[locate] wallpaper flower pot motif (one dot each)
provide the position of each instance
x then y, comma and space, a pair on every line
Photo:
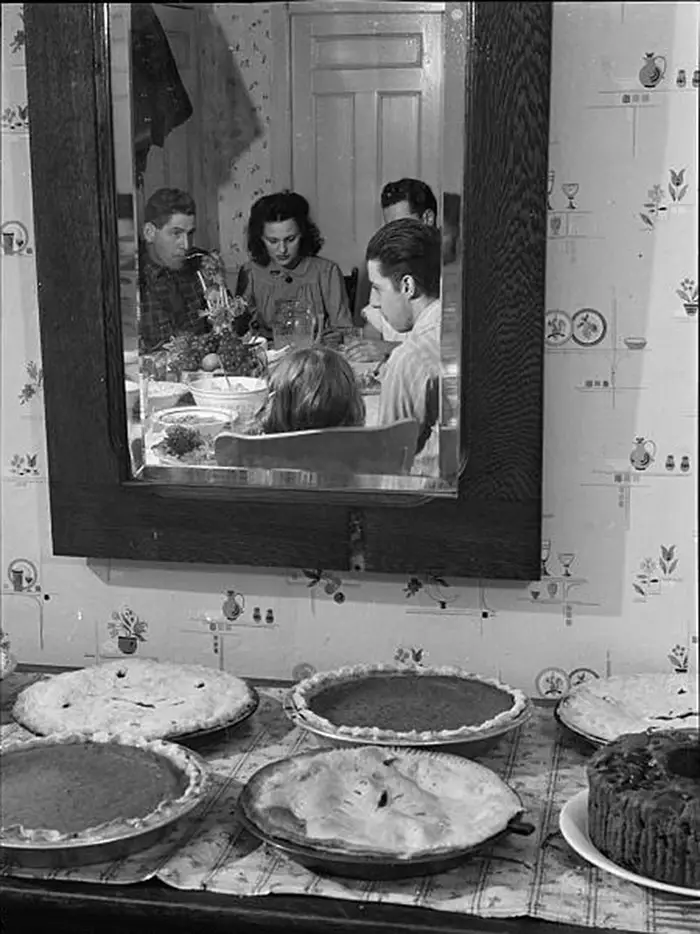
656, 205
688, 294
15, 118
409, 655
127, 630
679, 657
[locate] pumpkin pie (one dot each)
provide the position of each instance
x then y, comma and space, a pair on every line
383, 703
76, 791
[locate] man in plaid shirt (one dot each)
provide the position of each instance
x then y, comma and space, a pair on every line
171, 288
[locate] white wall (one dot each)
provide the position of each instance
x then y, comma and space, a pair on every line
623, 251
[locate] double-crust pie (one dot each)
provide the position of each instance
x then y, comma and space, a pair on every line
76, 791
149, 699
383, 703
609, 707
398, 803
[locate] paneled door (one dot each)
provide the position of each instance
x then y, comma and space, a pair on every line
366, 108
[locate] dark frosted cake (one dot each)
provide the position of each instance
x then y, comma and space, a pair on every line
644, 804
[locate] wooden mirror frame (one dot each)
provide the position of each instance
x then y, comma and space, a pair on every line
492, 530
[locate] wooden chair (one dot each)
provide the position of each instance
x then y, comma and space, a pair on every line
365, 450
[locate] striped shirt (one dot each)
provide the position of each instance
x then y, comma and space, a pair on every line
411, 377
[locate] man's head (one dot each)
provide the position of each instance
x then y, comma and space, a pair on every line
403, 264
409, 197
168, 228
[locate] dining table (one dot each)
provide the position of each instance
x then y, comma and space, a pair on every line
210, 874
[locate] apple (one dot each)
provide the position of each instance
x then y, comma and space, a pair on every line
211, 362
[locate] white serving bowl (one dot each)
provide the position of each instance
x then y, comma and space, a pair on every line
132, 393
163, 395
209, 422
244, 395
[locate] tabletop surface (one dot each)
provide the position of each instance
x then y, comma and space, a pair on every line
538, 877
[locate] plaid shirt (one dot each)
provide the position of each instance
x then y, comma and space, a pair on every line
170, 303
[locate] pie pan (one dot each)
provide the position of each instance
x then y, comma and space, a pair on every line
362, 864
219, 731
110, 842
609, 697
577, 731
475, 745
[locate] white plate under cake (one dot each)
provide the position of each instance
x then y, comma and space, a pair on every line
389, 704
606, 708
141, 697
398, 803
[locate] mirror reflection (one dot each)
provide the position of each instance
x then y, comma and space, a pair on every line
289, 201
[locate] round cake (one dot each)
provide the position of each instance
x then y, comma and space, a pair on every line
644, 804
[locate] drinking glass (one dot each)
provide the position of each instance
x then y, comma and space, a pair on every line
570, 189
546, 550
295, 324
566, 559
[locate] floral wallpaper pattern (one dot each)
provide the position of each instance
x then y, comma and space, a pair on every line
617, 592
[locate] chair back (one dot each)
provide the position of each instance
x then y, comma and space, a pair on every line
351, 286
387, 449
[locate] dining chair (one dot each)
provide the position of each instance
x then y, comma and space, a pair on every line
351, 286
363, 450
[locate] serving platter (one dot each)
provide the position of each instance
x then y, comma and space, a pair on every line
364, 864
121, 843
573, 823
479, 743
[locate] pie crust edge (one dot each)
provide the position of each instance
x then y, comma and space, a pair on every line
189, 764
336, 847
32, 712
309, 687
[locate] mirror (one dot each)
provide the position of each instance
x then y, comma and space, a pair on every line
491, 530
258, 149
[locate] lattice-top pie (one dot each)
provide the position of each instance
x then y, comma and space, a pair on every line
78, 791
366, 800
138, 696
383, 703
606, 708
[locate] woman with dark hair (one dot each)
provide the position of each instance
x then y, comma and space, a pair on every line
283, 245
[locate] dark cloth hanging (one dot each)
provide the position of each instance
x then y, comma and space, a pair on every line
161, 102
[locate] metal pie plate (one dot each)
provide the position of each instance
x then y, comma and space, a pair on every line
367, 865
213, 732
473, 745
591, 738
116, 845
195, 735
599, 741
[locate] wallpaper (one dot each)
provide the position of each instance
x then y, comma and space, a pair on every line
618, 588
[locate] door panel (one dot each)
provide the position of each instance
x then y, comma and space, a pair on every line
366, 109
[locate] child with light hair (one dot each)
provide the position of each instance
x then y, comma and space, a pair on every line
312, 388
